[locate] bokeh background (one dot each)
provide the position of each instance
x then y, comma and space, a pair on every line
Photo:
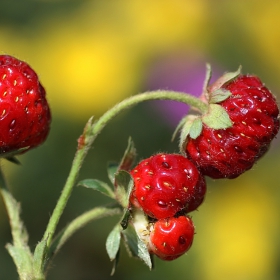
91, 54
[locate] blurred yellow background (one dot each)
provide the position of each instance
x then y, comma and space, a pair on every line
89, 55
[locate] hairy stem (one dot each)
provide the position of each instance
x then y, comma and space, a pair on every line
154, 95
19, 250
79, 222
84, 144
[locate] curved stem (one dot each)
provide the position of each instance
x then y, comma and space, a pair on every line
79, 222
154, 95
90, 133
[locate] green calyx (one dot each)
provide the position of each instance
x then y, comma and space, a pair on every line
216, 117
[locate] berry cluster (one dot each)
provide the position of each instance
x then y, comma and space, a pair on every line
242, 120
167, 187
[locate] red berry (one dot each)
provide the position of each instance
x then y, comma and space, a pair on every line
24, 112
171, 238
165, 184
227, 153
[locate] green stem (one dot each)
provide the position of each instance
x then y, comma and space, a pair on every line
154, 95
79, 222
84, 144
19, 250
91, 132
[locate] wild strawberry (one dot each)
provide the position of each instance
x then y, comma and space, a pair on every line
171, 238
165, 184
24, 112
253, 111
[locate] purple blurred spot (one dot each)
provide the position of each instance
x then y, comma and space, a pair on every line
184, 73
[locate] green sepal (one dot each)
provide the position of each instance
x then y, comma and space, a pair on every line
217, 117
123, 187
207, 81
13, 160
125, 218
136, 247
196, 128
179, 127
219, 95
126, 162
223, 80
113, 242
192, 128
129, 156
97, 185
112, 168
9, 155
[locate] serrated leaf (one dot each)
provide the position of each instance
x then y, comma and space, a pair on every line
196, 128
113, 242
128, 157
135, 246
97, 186
217, 117
112, 169
219, 95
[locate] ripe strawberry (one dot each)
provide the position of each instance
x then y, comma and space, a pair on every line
253, 111
24, 112
165, 184
171, 238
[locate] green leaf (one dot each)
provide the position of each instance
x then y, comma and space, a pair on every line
98, 186
219, 95
135, 246
39, 259
128, 157
125, 218
115, 263
217, 117
113, 242
124, 186
112, 169
22, 259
